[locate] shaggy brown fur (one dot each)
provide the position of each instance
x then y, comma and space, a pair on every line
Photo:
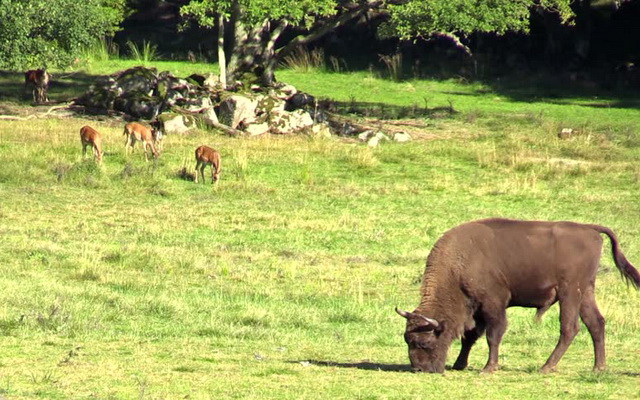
479, 269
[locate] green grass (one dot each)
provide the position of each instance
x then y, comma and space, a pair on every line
126, 281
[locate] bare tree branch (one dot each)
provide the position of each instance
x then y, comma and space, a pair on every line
354, 11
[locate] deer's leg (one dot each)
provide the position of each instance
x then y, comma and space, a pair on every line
197, 166
127, 144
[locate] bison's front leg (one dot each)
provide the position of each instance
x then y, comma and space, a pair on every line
468, 340
496, 326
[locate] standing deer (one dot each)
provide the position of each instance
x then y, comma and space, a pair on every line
138, 132
93, 138
39, 79
207, 156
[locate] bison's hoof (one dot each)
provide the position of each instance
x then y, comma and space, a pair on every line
459, 366
489, 369
547, 370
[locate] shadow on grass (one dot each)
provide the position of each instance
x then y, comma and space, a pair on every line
364, 365
389, 111
63, 87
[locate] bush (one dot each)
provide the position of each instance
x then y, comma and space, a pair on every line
53, 33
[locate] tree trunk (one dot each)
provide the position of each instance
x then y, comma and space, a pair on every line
254, 52
222, 59
270, 60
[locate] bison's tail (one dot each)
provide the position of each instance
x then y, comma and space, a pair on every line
628, 271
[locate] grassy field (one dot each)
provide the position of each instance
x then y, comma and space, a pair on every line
128, 281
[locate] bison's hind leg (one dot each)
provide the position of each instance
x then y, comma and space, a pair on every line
570, 299
594, 321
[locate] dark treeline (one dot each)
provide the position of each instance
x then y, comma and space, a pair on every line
602, 44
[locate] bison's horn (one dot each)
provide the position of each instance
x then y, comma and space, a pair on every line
408, 315
405, 314
431, 321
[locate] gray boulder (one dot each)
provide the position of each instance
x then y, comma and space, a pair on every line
237, 109
174, 123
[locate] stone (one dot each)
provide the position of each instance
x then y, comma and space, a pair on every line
372, 138
367, 135
364, 136
401, 137
373, 141
321, 130
138, 79
138, 105
175, 123
210, 117
285, 92
237, 109
197, 104
284, 123
257, 129
299, 100
566, 133
268, 104
212, 82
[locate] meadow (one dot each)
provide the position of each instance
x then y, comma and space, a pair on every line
129, 281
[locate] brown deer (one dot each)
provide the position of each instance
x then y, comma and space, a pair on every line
39, 79
136, 132
207, 156
93, 138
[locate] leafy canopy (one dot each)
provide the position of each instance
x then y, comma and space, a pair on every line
52, 33
251, 12
425, 17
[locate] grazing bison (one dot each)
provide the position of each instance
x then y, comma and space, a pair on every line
478, 269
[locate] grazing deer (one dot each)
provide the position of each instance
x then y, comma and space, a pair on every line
93, 138
136, 132
208, 156
39, 79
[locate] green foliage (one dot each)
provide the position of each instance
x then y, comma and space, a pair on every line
251, 12
425, 17
53, 33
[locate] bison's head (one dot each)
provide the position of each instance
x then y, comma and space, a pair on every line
427, 344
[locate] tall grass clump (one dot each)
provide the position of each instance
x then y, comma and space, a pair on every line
338, 64
146, 53
393, 63
303, 60
100, 51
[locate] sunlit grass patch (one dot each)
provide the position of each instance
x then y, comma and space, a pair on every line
283, 277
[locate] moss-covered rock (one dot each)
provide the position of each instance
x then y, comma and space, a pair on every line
173, 122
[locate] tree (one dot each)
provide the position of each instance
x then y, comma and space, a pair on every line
52, 33
254, 26
458, 18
